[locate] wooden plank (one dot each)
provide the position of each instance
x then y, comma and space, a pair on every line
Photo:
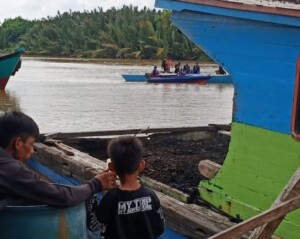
192, 220
265, 217
246, 7
290, 191
165, 189
208, 168
60, 135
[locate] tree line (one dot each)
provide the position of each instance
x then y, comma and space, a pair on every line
116, 33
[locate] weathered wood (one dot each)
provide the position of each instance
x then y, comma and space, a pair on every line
265, 217
191, 220
208, 168
222, 127
279, 9
124, 132
165, 189
290, 191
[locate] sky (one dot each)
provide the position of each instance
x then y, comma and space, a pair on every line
37, 9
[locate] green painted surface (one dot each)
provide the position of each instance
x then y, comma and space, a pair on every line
258, 165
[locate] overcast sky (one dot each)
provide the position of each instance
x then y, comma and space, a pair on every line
36, 9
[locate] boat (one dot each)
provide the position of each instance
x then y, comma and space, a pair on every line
222, 79
9, 65
258, 43
68, 158
172, 78
134, 78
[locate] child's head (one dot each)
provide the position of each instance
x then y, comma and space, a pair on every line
126, 154
17, 134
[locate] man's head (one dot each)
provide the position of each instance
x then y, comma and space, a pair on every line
126, 155
17, 134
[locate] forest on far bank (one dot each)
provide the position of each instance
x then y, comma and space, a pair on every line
127, 33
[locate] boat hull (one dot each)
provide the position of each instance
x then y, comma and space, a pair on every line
135, 78
188, 79
214, 79
9, 64
259, 51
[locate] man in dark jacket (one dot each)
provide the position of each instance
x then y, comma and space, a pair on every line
18, 133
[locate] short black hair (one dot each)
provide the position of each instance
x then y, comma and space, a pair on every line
16, 124
126, 153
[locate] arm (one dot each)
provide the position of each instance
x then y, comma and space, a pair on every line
18, 180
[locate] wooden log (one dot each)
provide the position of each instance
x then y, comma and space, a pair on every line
208, 168
291, 190
59, 135
254, 222
165, 189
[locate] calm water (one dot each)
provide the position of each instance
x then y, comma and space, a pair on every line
64, 97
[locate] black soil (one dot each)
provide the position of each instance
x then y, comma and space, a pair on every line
175, 162
169, 160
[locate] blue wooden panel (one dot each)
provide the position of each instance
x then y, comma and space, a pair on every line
261, 59
179, 6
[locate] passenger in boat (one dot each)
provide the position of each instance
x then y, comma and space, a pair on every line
169, 65
155, 72
220, 71
196, 68
186, 68
164, 65
181, 72
18, 133
177, 67
131, 211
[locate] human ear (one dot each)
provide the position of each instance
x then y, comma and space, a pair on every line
142, 165
111, 167
17, 143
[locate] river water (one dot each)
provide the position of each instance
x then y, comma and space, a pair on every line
67, 97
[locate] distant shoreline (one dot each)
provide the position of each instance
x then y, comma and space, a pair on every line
140, 62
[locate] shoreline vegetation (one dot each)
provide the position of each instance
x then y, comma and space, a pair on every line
126, 33
109, 61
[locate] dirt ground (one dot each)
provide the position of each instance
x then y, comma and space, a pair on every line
175, 162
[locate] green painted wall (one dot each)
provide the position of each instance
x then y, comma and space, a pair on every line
257, 167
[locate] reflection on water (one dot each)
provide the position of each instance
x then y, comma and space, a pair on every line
8, 101
87, 97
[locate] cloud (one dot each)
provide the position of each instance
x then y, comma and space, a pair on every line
33, 9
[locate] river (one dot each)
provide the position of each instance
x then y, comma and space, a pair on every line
67, 97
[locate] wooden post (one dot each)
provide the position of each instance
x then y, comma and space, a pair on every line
291, 190
265, 217
286, 202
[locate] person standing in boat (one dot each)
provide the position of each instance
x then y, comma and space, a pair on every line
169, 65
164, 65
18, 133
131, 211
177, 68
196, 68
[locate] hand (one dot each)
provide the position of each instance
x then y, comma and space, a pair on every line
107, 179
